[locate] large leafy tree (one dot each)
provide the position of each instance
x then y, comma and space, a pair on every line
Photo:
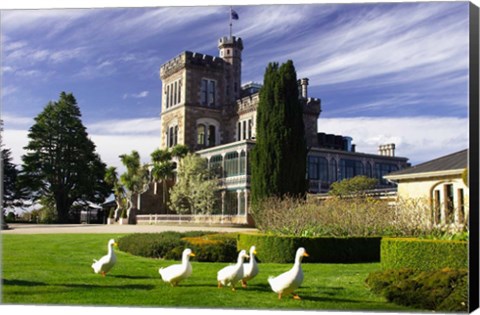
61, 162
194, 191
280, 153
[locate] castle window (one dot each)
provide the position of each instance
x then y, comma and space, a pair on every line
250, 124
172, 136
201, 134
207, 92
239, 131
173, 94
211, 136
211, 93
244, 131
204, 91
179, 99
167, 99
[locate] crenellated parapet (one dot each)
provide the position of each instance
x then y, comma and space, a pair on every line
312, 106
230, 41
188, 58
247, 104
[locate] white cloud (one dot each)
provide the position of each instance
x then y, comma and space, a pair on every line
418, 138
140, 126
112, 138
110, 147
142, 94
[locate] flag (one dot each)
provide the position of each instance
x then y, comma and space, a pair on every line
234, 14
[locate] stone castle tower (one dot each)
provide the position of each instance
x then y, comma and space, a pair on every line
199, 93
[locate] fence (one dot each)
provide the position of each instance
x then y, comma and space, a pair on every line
190, 218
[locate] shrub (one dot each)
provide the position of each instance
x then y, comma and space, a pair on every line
423, 254
339, 217
282, 249
167, 245
214, 247
440, 290
355, 186
170, 245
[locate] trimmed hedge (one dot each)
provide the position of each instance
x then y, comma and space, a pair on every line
439, 290
282, 249
423, 254
170, 245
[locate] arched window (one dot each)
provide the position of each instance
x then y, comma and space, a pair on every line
211, 135
172, 136
201, 134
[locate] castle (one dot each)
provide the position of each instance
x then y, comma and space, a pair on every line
206, 107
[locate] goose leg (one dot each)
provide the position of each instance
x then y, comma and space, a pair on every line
244, 284
103, 274
296, 297
279, 296
219, 284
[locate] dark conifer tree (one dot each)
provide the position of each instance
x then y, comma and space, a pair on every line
279, 157
61, 162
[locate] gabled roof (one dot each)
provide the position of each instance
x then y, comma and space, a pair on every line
446, 164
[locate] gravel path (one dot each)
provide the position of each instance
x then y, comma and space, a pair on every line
116, 228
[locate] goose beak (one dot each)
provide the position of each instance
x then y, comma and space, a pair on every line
192, 254
306, 254
255, 252
115, 244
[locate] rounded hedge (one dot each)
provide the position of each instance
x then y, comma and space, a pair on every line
170, 245
423, 254
282, 249
439, 290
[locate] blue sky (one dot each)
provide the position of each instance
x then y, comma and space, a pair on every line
385, 72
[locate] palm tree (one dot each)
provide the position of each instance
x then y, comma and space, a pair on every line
135, 178
111, 178
164, 166
162, 169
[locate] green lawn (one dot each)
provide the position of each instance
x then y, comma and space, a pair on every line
56, 269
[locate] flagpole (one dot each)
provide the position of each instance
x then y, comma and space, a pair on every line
230, 21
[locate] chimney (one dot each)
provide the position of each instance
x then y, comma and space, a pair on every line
387, 149
303, 88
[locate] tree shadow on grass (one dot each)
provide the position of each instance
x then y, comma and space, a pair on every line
22, 283
126, 286
128, 277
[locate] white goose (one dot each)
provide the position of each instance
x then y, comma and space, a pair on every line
175, 273
289, 281
104, 264
230, 275
250, 269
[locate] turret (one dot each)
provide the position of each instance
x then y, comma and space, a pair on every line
230, 50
